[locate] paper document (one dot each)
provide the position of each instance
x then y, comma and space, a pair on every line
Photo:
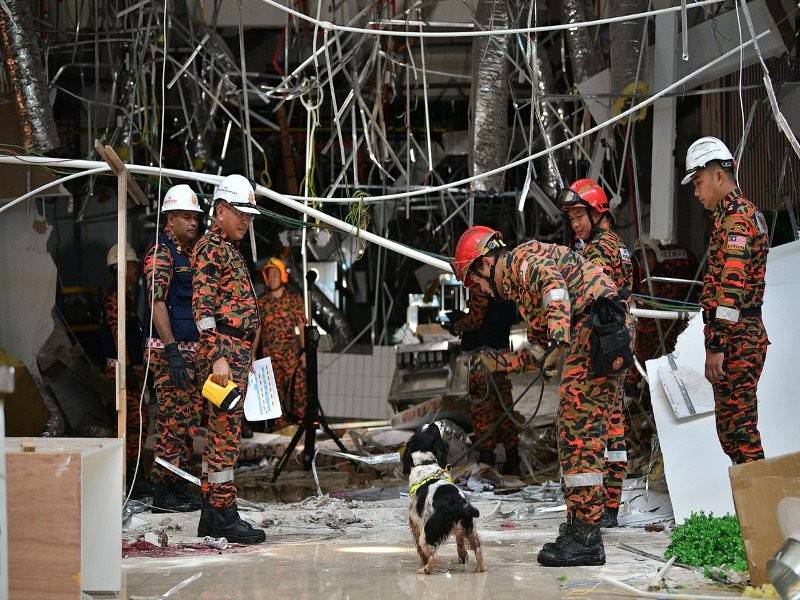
261, 401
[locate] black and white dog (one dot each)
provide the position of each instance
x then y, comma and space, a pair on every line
437, 508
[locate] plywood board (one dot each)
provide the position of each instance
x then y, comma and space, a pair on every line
44, 525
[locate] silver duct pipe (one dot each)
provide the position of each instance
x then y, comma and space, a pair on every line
626, 47
548, 115
327, 315
488, 129
584, 54
26, 76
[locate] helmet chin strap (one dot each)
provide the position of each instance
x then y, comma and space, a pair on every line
492, 282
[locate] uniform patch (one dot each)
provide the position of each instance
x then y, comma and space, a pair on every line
739, 242
624, 254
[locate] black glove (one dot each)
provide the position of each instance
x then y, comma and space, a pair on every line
453, 317
177, 366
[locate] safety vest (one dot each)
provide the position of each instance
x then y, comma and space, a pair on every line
179, 297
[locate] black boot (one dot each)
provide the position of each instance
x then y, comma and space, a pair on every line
167, 498
511, 466
486, 457
579, 546
609, 518
205, 526
182, 489
229, 525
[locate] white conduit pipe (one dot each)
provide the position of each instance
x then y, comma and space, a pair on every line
96, 166
567, 142
327, 25
91, 167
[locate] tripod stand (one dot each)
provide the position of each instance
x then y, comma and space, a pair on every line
313, 415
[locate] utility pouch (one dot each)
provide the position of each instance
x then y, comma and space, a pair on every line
609, 338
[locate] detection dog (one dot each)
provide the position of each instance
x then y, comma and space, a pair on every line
437, 508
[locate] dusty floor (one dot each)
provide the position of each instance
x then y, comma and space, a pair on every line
331, 548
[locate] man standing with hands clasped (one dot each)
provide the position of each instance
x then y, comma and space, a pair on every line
733, 292
173, 346
226, 313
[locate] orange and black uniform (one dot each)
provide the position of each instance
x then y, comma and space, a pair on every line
733, 292
554, 289
225, 310
282, 321
606, 250
488, 324
168, 274
134, 379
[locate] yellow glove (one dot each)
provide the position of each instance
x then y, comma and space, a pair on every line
552, 359
488, 361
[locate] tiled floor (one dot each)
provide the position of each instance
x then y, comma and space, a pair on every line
340, 570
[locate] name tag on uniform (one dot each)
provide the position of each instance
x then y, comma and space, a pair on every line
183, 269
738, 242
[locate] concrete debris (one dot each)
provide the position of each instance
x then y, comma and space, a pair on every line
218, 543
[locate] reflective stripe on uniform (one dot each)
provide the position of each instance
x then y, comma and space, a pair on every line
616, 455
554, 296
206, 323
159, 345
572, 480
221, 476
727, 314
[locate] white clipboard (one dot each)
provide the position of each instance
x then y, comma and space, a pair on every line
262, 402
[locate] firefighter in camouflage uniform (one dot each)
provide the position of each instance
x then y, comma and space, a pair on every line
586, 206
134, 341
173, 348
557, 293
660, 260
733, 292
488, 325
225, 310
282, 321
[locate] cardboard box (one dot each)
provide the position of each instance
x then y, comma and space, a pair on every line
758, 487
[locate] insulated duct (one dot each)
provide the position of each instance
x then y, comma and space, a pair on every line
26, 77
549, 113
626, 48
489, 99
584, 55
327, 315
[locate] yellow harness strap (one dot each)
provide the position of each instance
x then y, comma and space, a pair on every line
441, 474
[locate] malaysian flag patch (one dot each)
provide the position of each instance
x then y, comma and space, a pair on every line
737, 241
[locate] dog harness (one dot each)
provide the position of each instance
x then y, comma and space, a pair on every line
440, 475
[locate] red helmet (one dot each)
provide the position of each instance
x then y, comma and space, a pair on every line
584, 192
475, 242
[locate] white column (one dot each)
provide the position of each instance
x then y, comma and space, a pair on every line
662, 183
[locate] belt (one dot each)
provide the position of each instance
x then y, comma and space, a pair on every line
236, 332
710, 315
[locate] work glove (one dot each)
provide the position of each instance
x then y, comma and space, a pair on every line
453, 317
488, 361
177, 366
552, 358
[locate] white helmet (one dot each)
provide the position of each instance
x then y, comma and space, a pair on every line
238, 192
180, 197
130, 255
702, 152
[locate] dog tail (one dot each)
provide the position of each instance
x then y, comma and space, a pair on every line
470, 511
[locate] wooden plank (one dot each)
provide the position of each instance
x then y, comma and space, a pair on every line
44, 525
108, 154
122, 301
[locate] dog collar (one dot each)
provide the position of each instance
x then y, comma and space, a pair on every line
441, 474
